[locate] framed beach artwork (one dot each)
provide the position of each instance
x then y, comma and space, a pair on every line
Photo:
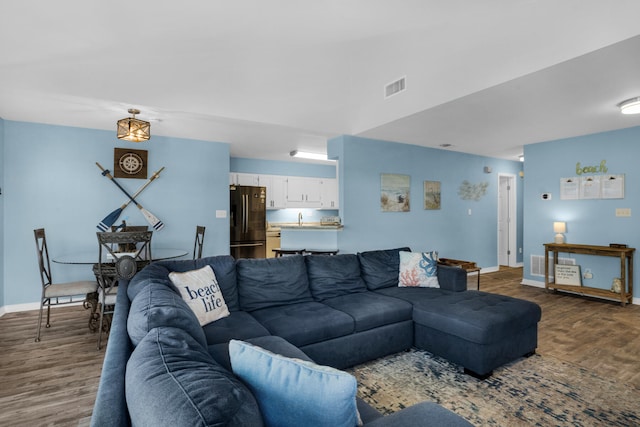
394, 192
432, 195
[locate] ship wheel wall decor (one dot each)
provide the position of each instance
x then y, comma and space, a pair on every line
128, 163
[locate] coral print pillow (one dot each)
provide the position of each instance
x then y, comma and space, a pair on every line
200, 290
419, 269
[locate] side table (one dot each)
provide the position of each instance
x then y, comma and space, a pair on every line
468, 266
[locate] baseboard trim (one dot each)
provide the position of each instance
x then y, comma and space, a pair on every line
14, 308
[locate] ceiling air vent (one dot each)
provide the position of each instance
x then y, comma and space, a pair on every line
395, 87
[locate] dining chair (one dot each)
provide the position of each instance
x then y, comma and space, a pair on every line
125, 227
114, 266
57, 293
199, 243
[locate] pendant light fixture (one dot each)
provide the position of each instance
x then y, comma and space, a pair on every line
132, 129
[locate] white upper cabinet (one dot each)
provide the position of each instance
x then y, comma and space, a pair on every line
304, 192
244, 179
276, 190
329, 193
292, 191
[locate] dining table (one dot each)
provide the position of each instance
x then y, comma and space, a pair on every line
90, 257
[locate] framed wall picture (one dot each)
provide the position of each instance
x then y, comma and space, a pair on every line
129, 163
432, 195
394, 192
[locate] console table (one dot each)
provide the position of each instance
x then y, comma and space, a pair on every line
626, 269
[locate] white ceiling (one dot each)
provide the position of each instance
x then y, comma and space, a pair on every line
271, 76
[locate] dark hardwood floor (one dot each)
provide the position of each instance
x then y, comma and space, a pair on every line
54, 382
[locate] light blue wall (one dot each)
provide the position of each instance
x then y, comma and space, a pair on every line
2, 212
273, 167
51, 181
588, 221
451, 230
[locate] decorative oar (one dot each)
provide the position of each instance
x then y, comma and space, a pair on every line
110, 219
151, 218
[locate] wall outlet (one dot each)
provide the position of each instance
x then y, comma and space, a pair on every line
221, 214
623, 211
588, 274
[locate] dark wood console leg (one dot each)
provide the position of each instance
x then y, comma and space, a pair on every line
531, 353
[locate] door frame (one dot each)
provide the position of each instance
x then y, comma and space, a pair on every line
512, 241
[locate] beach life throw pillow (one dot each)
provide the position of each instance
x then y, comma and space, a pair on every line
200, 290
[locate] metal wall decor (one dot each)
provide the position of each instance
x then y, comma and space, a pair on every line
469, 191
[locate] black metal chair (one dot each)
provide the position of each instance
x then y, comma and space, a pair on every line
114, 265
199, 243
57, 293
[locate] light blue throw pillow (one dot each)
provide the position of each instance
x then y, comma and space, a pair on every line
294, 392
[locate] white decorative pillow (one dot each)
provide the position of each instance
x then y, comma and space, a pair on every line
419, 269
200, 290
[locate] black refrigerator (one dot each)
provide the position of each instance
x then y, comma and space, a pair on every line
248, 221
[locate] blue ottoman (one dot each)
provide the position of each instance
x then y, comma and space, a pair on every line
477, 330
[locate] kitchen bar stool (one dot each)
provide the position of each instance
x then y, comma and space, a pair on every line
321, 252
279, 252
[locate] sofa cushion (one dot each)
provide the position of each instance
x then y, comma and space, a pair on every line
172, 380
418, 269
158, 305
199, 289
475, 316
274, 344
271, 282
332, 276
370, 310
380, 268
239, 325
421, 414
305, 323
224, 267
294, 392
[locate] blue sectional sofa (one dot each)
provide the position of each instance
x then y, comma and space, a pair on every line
162, 368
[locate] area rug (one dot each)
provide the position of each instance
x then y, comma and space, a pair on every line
534, 391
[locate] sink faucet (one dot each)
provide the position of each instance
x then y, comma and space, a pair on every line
299, 219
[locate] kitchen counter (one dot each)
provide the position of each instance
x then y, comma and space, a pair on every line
309, 235
305, 226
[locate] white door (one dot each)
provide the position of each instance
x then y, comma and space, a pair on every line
507, 220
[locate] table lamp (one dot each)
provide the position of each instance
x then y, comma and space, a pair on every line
559, 227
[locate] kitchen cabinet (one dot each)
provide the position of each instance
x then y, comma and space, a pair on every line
244, 179
273, 241
276, 190
292, 191
329, 194
304, 192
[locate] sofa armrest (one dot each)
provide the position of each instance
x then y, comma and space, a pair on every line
421, 414
452, 278
110, 408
